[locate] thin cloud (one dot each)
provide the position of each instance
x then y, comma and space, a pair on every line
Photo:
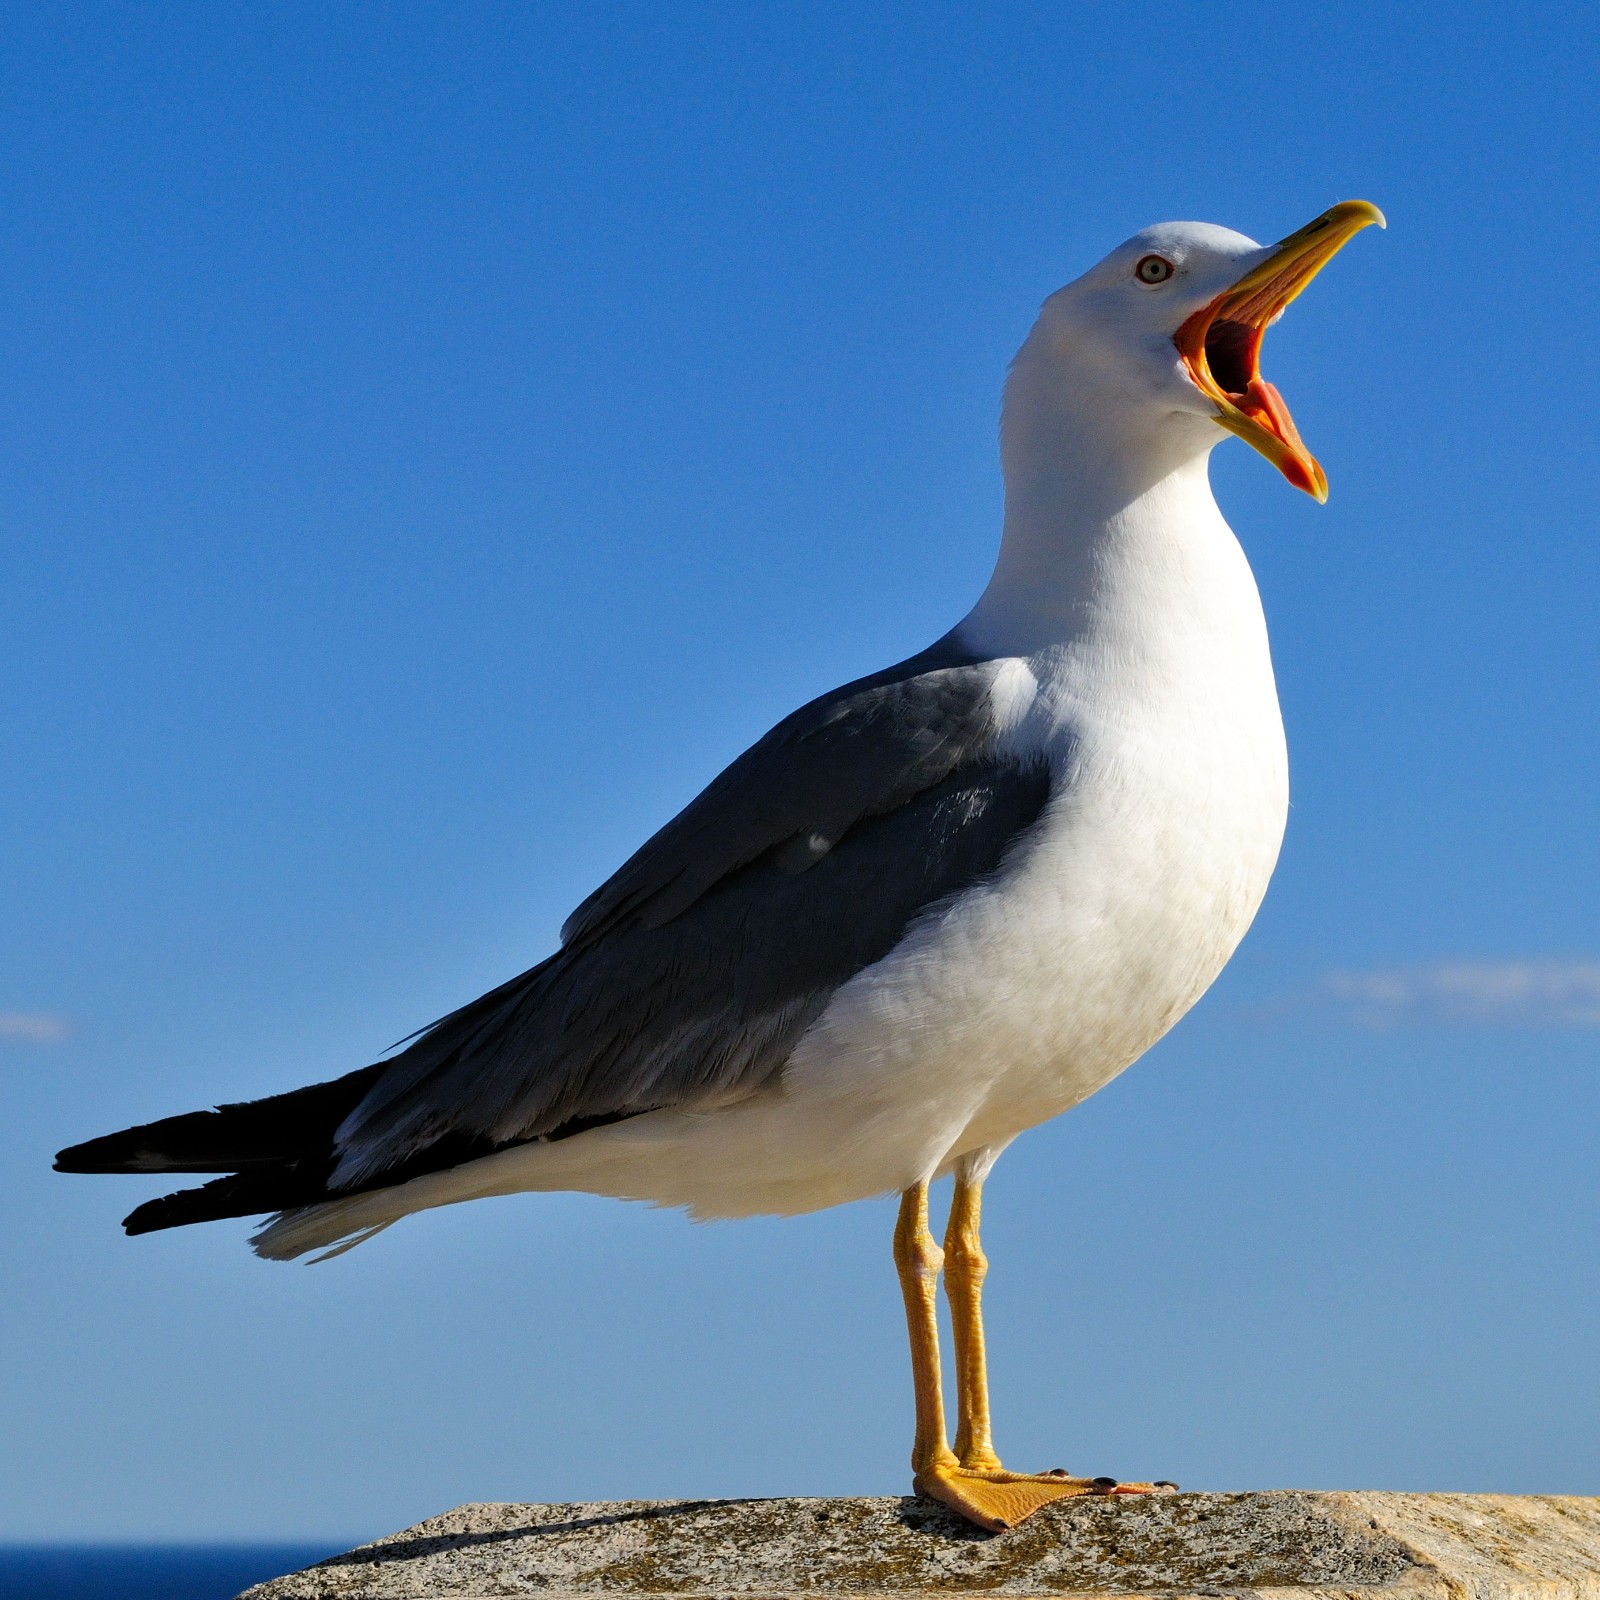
1542, 992
32, 1027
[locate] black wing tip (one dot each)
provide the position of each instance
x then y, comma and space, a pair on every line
155, 1215
238, 1195
187, 1143
264, 1136
107, 1154
140, 1219
141, 1149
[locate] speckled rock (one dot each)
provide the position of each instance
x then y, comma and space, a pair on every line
1277, 1545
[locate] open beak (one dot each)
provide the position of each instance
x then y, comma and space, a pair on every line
1221, 343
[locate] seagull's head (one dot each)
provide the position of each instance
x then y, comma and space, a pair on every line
1168, 328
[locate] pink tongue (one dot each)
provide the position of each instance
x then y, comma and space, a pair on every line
1262, 403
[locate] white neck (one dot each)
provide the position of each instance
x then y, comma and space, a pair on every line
1105, 503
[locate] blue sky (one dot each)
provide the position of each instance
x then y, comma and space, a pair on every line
434, 439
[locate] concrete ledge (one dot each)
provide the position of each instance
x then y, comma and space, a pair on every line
1346, 1546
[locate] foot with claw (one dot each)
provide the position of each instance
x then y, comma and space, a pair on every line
996, 1499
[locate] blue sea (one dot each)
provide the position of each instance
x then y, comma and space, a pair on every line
146, 1571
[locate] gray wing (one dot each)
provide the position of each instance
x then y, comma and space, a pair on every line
689, 976
858, 752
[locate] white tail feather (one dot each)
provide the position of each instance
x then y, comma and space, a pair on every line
333, 1227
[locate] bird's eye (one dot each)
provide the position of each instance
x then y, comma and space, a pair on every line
1153, 269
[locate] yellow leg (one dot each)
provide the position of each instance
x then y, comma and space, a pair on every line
967, 1267
918, 1260
969, 1479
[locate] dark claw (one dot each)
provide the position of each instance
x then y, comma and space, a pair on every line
1165, 1484
1058, 1472
1105, 1485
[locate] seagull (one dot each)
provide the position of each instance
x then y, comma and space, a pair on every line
924, 913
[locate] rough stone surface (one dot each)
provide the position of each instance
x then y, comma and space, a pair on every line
1277, 1545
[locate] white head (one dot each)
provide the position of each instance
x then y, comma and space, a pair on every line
1149, 352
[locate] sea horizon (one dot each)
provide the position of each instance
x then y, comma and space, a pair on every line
150, 1570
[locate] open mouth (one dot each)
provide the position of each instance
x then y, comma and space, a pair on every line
1221, 343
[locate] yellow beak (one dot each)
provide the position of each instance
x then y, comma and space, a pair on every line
1221, 343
